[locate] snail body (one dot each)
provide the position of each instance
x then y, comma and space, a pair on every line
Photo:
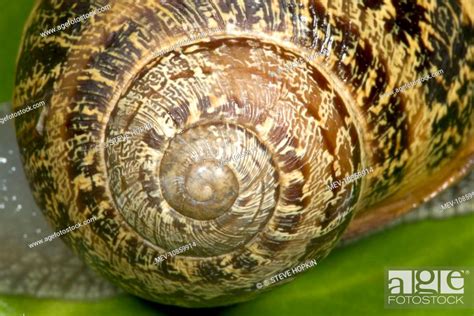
230, 157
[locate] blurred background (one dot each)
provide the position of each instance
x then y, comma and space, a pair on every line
349, 282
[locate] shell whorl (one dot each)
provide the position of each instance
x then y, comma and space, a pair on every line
231, 160
245, 114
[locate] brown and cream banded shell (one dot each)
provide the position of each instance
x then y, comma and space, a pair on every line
231, 118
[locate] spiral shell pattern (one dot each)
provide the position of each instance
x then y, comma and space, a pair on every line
224, 123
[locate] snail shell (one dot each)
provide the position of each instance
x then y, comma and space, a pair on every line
220, 124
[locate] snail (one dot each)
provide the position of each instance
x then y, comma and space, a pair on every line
205, 133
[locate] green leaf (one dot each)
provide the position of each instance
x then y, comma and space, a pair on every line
12, 19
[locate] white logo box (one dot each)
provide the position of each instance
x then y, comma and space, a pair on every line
405, 287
